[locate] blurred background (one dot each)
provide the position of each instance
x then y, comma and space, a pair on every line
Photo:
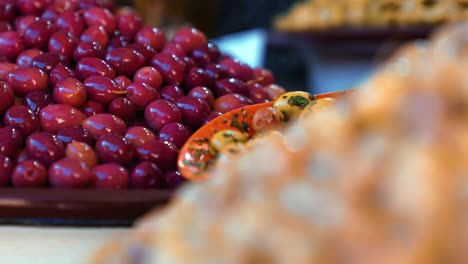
314, 45
238, 27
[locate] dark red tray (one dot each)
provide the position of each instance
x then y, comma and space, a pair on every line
352, 34
358, 41
77, 207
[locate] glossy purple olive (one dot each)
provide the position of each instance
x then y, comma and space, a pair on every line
102, 17
175, 133
138, 135
229, 86
6, 168
7, 96
69, 173
70, 21
7, 10
25, 58
210, 117
163, 153
202, 93
24, 80
22, 117
60, 73
263, 76
146, 175
88, 49
161, 112
197, 77
173, 179
29, 174
114, 148
237, 69
45, 148
141, 94
110, 176
37, 34
123, 108
150, 76
125, 61
171, 68
89, 66
11, 44
11, 140
91, 108
48, 60
193, 111
217, 71
58, 116
152, 37
79, 134
37, 100
171, 93
189, 38
101, 124
101, 89
122, 82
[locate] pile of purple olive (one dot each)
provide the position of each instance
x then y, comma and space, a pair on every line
90, 97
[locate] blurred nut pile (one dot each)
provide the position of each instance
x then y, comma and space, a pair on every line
319, 14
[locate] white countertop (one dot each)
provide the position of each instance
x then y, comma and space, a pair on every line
51, 245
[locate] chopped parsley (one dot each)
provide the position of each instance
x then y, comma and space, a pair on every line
228, 134
245, 126
198, 153
242, 126
235, 121
298, 101
200, 165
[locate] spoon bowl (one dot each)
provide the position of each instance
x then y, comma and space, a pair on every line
194, 156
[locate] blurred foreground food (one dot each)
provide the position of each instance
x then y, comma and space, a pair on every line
381, 178
316, 14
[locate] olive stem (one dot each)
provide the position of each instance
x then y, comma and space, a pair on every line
259, 79
119, 92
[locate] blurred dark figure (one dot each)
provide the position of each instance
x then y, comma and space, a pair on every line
232, 16
214, 17
240, 15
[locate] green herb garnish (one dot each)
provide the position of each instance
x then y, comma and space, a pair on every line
197, 154
298, 101
245, 127
201, 165
229, 135
235, 121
